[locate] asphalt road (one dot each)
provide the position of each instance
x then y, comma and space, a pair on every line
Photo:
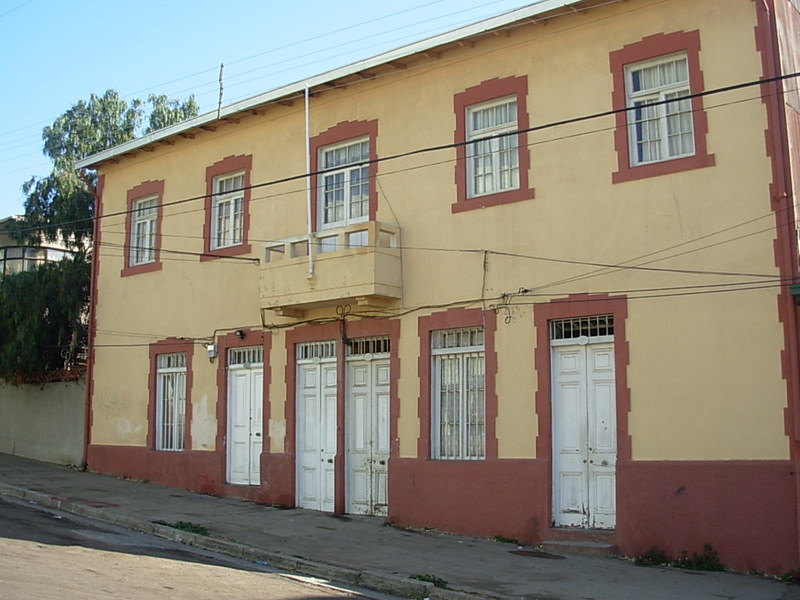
47, 554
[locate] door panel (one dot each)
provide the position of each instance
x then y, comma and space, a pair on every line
584, 436
316, 435
245, 424
367, 436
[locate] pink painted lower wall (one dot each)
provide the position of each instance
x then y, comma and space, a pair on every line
202, 472
480, 498
745, 509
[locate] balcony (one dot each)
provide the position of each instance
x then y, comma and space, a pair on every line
357, 265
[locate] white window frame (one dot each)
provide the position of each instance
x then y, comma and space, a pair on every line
170, 401
350, 177
492, 164
227, 210
458, 368
664, 131
144, 226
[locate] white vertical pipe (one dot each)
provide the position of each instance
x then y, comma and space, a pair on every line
308, 189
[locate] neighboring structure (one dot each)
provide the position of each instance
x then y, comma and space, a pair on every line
15, 258
588, 324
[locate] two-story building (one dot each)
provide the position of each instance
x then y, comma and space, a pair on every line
531, 277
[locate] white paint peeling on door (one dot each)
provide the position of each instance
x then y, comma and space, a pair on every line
584, 431
367, 434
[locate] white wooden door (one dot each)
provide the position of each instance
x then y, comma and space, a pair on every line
584, 435
367, 435
245, 423
316, 434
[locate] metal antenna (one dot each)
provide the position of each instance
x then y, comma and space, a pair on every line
219, 105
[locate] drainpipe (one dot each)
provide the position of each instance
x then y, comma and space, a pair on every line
308, 190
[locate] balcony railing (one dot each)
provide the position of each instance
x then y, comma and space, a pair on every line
358, 264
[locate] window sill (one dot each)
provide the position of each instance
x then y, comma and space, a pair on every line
665, 167
237, 250
139, 269
518, 195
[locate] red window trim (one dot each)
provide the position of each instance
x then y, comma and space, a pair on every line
453, 319
169, 346
342, 132
230, 164
649, 48
581, 305
143, 190
491, 89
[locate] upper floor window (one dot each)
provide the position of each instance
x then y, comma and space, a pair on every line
170, 401
458, 394
344, 183
143, 228
143, 231
659, 129
227, 207
227, 211
344, 167
492, 168
493, 162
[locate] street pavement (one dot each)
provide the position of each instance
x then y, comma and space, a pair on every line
366, 552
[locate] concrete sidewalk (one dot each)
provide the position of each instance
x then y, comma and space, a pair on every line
363, 550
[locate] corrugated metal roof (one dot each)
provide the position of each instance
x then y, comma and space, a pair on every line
529, 12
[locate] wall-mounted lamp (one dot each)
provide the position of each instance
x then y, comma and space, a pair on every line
239, 334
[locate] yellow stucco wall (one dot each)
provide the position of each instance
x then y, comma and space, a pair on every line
704, 370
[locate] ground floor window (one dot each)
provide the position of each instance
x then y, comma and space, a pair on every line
170, 401
458, 394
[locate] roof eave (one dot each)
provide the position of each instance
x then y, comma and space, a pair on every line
526, 12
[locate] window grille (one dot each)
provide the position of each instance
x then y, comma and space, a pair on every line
574, 328
321, 350
458, 394
373, 345
170, 401
457, 338
250, 355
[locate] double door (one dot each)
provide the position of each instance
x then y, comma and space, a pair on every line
584, 435
366, 430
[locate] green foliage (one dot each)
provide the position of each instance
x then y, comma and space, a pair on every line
506, 540
165, 112
43, 312
434, 579
42, 324
91, 127
58, 207
186, 526
708, 560
652, 557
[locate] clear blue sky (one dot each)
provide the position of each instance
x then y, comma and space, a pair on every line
56, 52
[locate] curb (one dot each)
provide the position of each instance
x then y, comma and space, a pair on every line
380, 582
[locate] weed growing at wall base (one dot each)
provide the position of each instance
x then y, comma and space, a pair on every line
187, 526
707, 560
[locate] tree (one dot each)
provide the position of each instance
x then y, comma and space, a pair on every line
43, 313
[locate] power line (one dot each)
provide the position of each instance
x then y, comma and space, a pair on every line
448, 146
